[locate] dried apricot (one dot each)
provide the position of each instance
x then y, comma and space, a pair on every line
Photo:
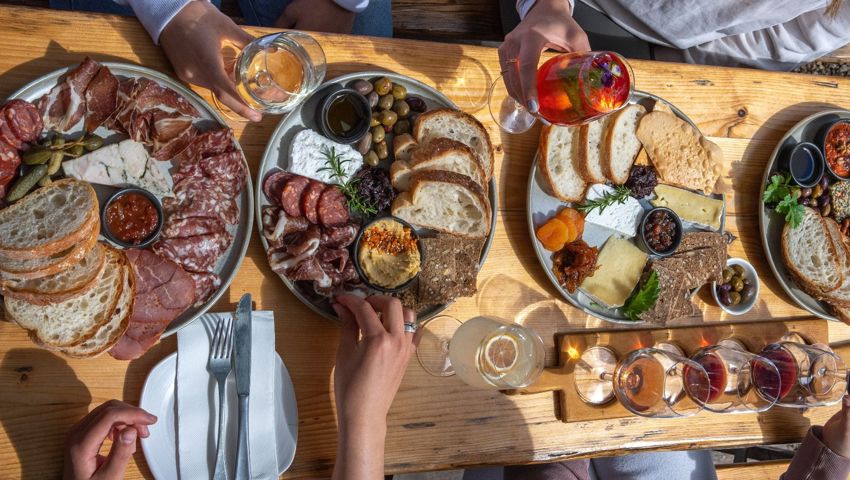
571, 215
554, 234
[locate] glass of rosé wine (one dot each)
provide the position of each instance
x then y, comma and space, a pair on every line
572, 89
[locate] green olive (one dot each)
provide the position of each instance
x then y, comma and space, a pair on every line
401, 127
737, 284
36, 156
388, 118
382, 150
735, 297
401, 108
817, 191
385, 102
378, 134
383, 85
399, 92
728, 273
76, 150
739, 270
92, 142
371, 158
376, 119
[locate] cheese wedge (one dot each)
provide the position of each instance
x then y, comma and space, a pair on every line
690, 207
620, 266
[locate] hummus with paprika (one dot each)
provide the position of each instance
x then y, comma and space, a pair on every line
388, 254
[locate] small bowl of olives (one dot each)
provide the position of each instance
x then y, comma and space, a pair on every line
738, 290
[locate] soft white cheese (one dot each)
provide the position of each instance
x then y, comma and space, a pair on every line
307, 157
621, 217
124, 163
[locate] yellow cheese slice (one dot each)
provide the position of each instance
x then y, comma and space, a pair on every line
620, 266
689, 206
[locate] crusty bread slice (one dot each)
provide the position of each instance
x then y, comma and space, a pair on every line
843, 313
558, 150
109, 334
459, 126
403, 146
621, 143
445, 201
72, 322
590, 151
49, 220
810, 255
12, 269
441, 154
62, 285
841, 295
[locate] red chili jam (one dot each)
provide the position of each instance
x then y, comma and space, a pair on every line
132, 218
837, 149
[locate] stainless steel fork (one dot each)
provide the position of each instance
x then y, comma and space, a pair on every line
219, 366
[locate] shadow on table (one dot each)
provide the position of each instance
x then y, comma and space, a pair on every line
43, 399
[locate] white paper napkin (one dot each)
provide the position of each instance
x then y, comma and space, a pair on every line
197, 401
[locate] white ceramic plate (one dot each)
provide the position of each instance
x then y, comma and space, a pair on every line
160, 448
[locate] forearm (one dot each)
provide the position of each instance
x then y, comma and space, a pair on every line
360, 452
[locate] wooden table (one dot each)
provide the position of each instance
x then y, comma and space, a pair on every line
435, 423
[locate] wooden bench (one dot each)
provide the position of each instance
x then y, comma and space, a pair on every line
770, 470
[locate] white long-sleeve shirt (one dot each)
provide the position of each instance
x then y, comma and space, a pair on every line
155, 14
768, 34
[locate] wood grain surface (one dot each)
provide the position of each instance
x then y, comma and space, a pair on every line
435, 423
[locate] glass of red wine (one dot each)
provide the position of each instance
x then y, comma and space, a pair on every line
809, 375
572, 89
649, 382
731, 369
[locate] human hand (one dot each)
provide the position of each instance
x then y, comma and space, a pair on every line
316, 16
549, 24
836, 431
193, 42
117, 421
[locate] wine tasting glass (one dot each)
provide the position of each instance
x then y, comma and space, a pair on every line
275, 73
483, 352
810, 375
730, 368
572, 89
650, 382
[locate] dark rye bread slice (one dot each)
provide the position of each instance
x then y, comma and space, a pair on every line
450, 269
673, 297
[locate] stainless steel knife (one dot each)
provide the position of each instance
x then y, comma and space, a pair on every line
242, 364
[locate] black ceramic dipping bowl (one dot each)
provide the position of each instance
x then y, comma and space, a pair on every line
805, 163
350, 101
677, 238
104, 226
356, 252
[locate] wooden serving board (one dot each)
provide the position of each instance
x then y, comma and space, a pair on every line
754, 336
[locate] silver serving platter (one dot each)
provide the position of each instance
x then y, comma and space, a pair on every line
303, 116
232, 259
542, 206
771, 223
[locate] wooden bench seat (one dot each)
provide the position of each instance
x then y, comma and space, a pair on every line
769, 470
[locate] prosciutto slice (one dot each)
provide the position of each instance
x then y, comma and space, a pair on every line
65, 104
101, 98
163, 292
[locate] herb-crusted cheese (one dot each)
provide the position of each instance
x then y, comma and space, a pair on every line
691, 207
620, 266
623, 218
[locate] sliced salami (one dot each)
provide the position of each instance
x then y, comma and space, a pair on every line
207, 144
10, 160
24, 120
228, 169
273, 185
201, 197
190, 227
333, 208
7, 136
195, 254
310, 200
205, 285
290, 198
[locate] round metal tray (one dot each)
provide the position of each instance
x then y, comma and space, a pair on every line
541, 206
276, 156
771, 223
232, 259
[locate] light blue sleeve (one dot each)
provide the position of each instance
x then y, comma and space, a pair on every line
523, 6
155, 14
355, 6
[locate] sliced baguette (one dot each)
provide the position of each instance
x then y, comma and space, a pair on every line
810, 255
109, 334
32, 268
445, 201
459, 126
559, 162
621, 143
590, 154
72, 322
840, 296
403, 146
49, 220
62, 285
441, 154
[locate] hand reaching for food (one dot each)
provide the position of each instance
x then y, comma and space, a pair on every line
316, 16
193, 42
549, 24
114, 420
373, 353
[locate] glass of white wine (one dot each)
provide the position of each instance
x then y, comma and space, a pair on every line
277, 72
484, 352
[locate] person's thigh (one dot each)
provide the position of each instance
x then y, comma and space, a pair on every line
376, 20
688, 465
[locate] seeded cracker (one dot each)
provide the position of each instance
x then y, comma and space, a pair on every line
450, 270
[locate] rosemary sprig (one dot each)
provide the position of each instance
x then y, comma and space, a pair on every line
335, 164
619, 195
